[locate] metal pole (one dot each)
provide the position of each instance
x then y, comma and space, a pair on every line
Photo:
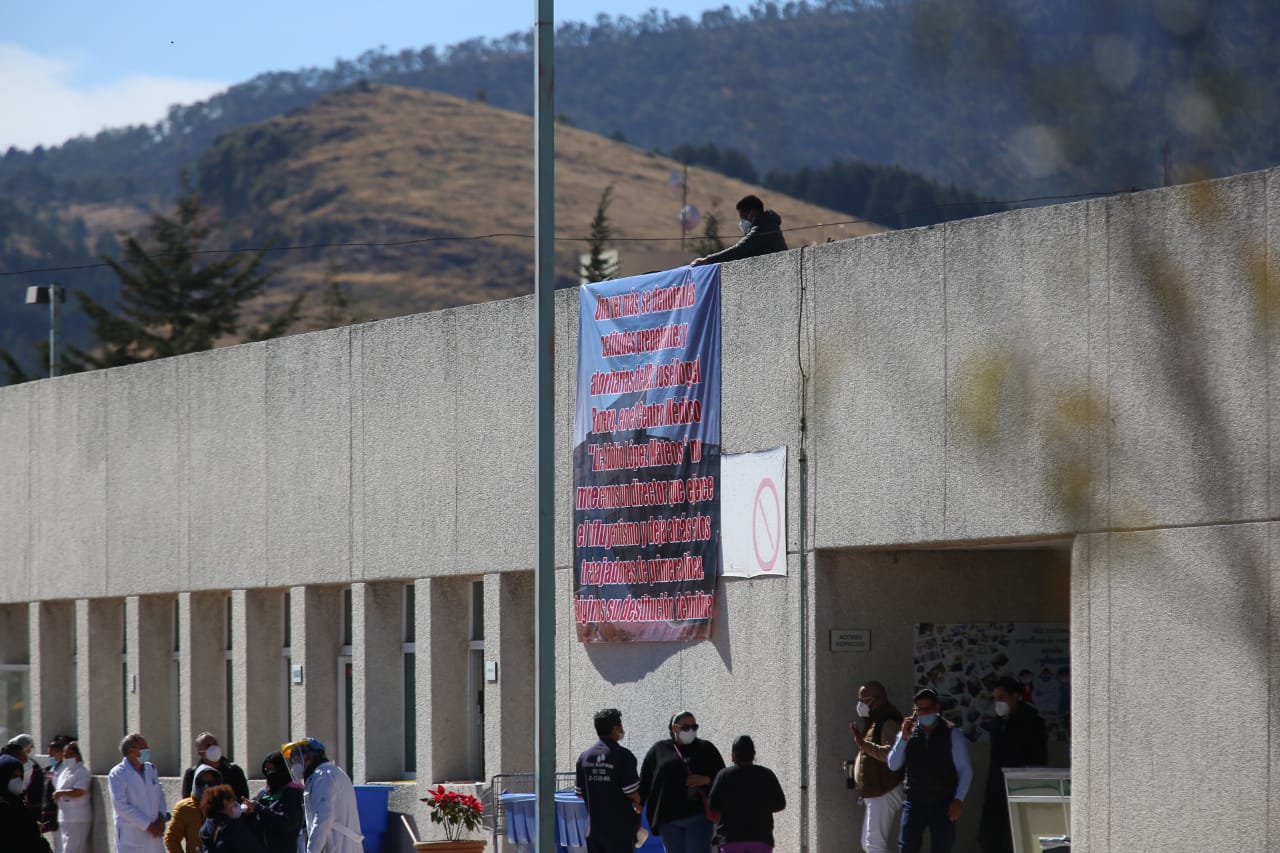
544, 283
53, 329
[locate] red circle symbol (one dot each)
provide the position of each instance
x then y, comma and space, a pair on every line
766, 524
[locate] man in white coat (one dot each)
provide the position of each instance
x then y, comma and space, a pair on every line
137, 799
328, 797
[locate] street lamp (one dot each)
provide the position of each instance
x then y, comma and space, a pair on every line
51, 295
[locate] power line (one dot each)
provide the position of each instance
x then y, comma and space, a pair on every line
461, 238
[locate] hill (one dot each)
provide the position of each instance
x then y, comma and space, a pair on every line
397, 190
1010, 98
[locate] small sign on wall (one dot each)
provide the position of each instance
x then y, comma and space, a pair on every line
491, 671
850, 639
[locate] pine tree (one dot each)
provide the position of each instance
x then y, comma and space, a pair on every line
598, 267
710, 242
174, 298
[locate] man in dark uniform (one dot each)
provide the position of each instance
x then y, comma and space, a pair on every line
208, 752
936, 757
1017, 740
607, 779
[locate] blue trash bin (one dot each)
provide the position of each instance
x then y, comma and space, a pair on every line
371, 804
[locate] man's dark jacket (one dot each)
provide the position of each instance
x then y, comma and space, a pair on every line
1016, 741
764, 238
231, 775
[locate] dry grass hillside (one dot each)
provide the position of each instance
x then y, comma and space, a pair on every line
385, 164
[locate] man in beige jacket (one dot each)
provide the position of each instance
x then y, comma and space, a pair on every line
880, 787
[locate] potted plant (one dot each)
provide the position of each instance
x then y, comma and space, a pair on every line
458, 813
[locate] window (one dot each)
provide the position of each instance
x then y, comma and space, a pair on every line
346, 716
15, 697
475, 679
229, 686
409, 695
286, 667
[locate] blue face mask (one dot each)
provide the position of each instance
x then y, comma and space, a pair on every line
927, 720
144, 755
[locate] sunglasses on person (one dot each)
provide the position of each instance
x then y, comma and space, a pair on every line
687, 727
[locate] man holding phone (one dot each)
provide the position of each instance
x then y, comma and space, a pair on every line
936, 758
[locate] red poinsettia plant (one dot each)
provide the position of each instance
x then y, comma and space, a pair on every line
457, 811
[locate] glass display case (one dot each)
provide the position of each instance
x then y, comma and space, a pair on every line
1039, 808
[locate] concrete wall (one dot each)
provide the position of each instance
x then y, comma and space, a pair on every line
1101, 366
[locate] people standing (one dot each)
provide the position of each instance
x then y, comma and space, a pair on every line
746, 796
328, 797
137, 799
75, 806
1017, 740
278, 807
49, 806
938, 774
879, 786
209, 754
182, 835
225, 828
607, 780
18, 826
675, 780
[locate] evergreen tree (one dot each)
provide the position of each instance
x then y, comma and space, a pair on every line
175, 297
710, 242
598, 267
334, 308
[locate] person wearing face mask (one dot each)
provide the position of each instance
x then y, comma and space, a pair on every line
137, 799
879, 786
227, 826
23, 748
1017, 740
49, 810
75, 807
328, 799
182, 835
675, 780
761, 234
938, 773
18, 829
278, 807
209, 754
605, 778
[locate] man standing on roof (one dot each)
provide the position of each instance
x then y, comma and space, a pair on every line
328, 799
761, 234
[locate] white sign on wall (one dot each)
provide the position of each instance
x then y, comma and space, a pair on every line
753, 513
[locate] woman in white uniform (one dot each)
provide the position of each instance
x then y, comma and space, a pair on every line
75, 806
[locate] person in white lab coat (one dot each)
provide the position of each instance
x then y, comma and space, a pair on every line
328, 798
75, 806
137, 799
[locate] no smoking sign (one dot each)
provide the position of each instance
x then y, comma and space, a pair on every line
753, 513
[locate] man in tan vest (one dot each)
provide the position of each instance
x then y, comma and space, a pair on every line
880, 787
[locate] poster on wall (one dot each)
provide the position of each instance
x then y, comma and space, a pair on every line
962, 660
753, 514
646, 457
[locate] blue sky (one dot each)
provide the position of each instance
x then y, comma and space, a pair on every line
76, 66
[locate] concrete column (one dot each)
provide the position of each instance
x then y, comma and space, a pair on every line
316, 614
53, 691
257, 635
202, 699
99, 680
508, 641
444, 606
149, 640
377, 611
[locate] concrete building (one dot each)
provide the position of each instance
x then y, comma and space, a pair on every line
1052, 415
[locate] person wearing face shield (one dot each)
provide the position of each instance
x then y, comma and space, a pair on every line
675, 780
761, 234
332, 823
182, 835
227, 827
18, 828
278, 808
209, 754
137, 799
75, 806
